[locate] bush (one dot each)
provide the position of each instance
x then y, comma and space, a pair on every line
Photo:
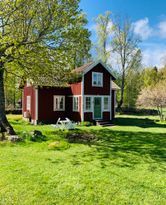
138, 111
35, 136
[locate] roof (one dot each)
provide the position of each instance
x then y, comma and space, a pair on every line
115, 86
87, 67
83, 67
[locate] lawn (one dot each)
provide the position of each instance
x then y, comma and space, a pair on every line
125, 165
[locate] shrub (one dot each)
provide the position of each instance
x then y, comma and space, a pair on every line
35, 136
80, 137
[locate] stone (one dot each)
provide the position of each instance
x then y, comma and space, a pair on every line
14, 138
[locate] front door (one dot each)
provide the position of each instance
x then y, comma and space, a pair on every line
97, 108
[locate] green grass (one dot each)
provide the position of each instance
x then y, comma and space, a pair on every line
126, 165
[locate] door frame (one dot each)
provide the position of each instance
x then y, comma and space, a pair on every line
94, 107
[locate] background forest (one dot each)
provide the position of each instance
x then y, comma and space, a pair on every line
117, 46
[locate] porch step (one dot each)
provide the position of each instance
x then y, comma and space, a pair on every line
104, 123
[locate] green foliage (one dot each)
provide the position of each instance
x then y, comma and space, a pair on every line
103, 30
42, 38
125, 166
86, 123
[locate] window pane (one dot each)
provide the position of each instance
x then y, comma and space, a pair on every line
106, 105
94, 78
28, 103
88, 103
75, 103
97, 79
56, 105
61, 103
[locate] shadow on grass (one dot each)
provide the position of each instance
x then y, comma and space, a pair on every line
127, 149
143, 123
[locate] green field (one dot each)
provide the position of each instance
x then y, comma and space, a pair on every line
125, 165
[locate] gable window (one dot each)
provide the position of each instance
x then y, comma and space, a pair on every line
106, 103
28, 103
97, 79
75, 104
88, 103
59, 103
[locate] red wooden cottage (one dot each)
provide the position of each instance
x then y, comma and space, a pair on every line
92, 98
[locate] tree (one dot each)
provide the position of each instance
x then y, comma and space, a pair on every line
150, 76
37, 39
132, 88
154, 96
125, 47
103, 30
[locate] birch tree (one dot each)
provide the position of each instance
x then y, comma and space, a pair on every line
125, 48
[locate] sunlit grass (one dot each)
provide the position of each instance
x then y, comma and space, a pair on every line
125, 165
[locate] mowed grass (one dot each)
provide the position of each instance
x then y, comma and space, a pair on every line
126, 165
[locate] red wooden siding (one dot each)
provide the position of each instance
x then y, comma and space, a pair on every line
29, 91
75, 88
89, 89
75, 116
106, 116
45, 108
88, 116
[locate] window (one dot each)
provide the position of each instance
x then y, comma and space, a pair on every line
28, 103
59, 103
75, 104
88, 103
97, 79
106, 104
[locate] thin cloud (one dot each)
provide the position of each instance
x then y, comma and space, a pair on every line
142, 28
153, 55
162, 29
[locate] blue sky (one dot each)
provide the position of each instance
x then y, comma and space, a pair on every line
148, 18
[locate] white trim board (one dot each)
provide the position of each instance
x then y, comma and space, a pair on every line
37, 105
95, 64
102, 104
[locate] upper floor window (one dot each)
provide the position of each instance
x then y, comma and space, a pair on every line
75, 104
59, 103
97, 79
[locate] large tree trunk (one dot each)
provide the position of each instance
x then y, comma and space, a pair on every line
3, 120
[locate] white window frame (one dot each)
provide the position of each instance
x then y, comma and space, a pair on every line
98, 74
76, 108
54, 103
108, 108
28, 103
88, 110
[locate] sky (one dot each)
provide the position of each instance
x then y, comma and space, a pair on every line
148, 18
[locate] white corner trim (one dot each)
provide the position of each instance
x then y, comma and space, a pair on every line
95, 64
82, 99
37, 104
110, 99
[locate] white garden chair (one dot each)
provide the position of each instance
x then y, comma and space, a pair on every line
66, 124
